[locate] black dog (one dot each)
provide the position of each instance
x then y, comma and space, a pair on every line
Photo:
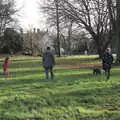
96, 71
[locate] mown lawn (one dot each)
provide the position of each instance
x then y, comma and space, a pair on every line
75, 94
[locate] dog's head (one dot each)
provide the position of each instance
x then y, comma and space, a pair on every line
96, 71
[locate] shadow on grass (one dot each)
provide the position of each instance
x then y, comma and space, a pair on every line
106, 97
87, 98
62, 79
27, 72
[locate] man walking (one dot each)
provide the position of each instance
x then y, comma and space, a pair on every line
107, 60
48, 63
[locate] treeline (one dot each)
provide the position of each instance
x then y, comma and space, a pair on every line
10, 39
99, 19
74, 26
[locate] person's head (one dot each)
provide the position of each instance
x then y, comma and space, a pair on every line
108, 50
6, 59
48, 48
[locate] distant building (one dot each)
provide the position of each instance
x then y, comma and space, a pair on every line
36, 41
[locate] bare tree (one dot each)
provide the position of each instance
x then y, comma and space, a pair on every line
51, 8
114, 13
57, 20
57, 25
7, 10
118, 30
91, 15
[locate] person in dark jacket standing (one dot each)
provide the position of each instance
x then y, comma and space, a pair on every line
107, 60
48, 63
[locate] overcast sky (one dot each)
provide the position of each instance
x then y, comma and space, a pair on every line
30, 14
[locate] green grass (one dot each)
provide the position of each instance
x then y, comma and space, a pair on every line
75, 94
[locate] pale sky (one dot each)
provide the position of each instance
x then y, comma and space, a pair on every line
30, 16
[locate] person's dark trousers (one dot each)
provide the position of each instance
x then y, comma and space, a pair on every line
107, 73
47, 70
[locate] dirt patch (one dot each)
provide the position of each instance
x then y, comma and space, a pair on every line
79, 66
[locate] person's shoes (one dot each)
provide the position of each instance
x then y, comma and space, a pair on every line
53, 78
46, 79
107, 77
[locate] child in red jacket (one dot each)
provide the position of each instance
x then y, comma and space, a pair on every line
5, 66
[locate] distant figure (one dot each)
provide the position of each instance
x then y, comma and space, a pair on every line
5, 66
48, 63
62, 51
107, 60
86, 52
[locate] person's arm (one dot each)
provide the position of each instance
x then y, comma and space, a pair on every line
43, 58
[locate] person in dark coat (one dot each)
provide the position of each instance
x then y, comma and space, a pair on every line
48, 63
107, 61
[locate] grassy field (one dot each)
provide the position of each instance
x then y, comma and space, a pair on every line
75, 94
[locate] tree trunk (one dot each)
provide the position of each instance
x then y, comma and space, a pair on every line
69, 37
100, 52
58, 29
118, 31
101, 47
118, 45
